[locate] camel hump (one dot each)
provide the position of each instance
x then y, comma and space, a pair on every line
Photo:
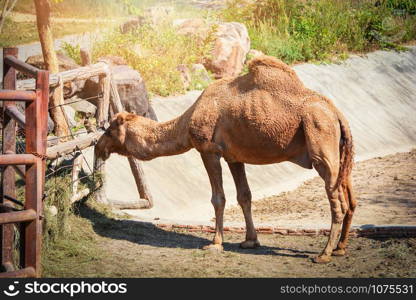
270, 73
268, 61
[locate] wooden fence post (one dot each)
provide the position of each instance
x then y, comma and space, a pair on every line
36, 133
146, 200
8, 175
135, 165
35, 123
104, 101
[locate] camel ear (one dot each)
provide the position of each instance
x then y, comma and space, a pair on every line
121, 119
130, 117
124, 117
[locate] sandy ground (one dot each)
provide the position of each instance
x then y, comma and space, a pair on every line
135, 249
385, 188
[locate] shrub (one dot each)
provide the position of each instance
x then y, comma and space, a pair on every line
156, 52
303, 30
72, 52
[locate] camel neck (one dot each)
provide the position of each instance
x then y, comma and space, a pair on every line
166, 138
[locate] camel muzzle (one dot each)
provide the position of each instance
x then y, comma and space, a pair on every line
101, 148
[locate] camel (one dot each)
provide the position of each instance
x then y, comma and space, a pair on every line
264, 117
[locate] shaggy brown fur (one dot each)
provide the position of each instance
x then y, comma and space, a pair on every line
266, 116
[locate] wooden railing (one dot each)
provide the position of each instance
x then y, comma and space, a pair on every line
30, 165
34, 93
108, 104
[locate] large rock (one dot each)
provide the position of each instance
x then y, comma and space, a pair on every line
132, 90
230, 46
130, 86
194, 27
230, 49
65, 63
82, 106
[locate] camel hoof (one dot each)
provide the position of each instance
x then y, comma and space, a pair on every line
250, 244
213, 247
322, 259
338, 252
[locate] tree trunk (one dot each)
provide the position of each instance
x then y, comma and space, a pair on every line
43, 9
3, 14
7, 8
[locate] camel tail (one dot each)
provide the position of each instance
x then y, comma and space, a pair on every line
346, 148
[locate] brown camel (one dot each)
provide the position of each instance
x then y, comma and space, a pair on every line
266, 116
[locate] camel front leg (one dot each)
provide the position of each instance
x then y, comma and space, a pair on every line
244, 200
213, 166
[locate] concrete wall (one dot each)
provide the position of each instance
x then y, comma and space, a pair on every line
377, 94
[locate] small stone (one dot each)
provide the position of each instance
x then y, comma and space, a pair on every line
84, 107
70, 114
52, 210
185, 75
253, 53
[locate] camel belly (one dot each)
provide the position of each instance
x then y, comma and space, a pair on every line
254, 146
249, 157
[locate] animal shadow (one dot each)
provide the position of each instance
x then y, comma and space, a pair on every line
146, 233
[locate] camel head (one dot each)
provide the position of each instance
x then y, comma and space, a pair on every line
113, 139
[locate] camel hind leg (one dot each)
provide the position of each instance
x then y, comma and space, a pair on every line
352, 203
337, 206
322, 135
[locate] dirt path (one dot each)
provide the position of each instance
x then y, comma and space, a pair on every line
385, 188
134, 249
127, 248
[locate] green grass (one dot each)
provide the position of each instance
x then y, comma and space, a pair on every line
156, 52
27, 31
305, 30
76, 8
100, 8
69, 240
292, 30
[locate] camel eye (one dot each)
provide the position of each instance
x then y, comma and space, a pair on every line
108, 132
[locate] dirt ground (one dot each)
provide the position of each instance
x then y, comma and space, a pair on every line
385, 188
125, 248
134, 249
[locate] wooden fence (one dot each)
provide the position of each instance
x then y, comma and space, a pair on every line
108, 104
30, 165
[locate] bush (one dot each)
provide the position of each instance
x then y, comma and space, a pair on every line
155, 52
69, 237
73, 52
304, 30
